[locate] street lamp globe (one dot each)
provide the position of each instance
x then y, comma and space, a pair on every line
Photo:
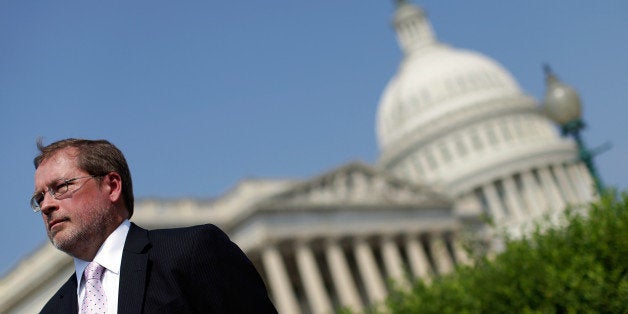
562, 103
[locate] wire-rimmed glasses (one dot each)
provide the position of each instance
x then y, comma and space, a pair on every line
56, 190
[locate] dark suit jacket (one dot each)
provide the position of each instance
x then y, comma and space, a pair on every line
185, 270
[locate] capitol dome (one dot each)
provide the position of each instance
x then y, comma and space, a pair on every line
458, 121
434, 79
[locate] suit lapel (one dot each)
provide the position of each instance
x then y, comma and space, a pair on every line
133, 271
64, 300
67, 296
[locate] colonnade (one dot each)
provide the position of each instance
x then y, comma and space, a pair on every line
535, 192
321, 275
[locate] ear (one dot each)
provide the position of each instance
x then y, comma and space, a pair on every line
112, 183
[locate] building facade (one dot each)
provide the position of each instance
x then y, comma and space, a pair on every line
459, 141
458, 121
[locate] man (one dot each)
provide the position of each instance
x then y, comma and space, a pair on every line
84, 192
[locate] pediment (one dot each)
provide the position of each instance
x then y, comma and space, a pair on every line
356, 184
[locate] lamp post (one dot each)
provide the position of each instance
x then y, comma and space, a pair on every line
562, 105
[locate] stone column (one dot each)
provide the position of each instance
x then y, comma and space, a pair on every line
312, 281
341, 276
283, 295
494, 204
535, 198
581, 176
565, 185
513, 198
576, 181
586, 177
551, 190
441, 255
393, 262
371, 275
419, 263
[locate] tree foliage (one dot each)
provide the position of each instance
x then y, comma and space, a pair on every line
574, 268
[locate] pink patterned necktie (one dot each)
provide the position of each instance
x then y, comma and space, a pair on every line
94, 300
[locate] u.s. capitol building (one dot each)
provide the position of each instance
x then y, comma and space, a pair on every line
459, 142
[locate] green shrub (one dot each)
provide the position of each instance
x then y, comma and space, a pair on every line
577, 268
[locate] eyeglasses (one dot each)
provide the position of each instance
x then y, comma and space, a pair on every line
57, 190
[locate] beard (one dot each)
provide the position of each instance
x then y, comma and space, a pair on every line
86, 232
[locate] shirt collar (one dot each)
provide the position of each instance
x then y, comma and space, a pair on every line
109, 254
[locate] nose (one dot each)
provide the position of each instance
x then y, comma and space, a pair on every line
48, 204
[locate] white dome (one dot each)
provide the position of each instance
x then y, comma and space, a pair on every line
432, 82
434, 79
457, 121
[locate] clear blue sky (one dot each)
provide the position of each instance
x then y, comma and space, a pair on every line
201, 94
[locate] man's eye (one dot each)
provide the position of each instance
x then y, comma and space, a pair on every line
61, 187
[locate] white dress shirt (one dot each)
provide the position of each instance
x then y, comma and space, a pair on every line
109, 256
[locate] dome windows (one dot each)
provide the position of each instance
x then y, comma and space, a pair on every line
474, 142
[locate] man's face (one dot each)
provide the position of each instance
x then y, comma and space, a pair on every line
79, 221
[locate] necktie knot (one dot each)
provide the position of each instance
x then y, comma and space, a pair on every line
93, 271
